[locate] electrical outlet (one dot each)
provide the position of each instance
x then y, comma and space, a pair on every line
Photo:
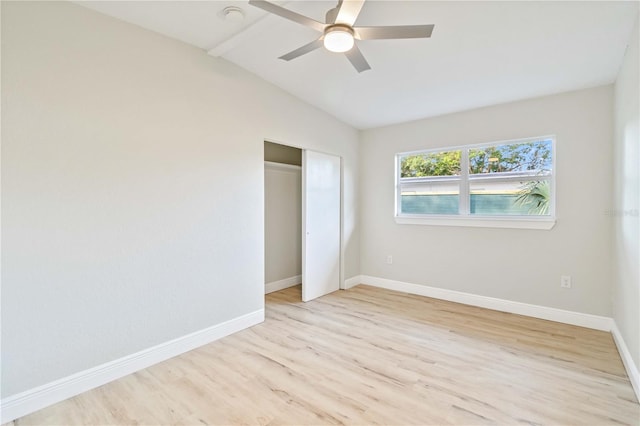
565, 281
389, 260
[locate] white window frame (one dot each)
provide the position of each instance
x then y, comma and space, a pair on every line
465, 218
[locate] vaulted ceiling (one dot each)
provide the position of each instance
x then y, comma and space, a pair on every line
481, 53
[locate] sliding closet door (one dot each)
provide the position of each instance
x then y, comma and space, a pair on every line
321, 224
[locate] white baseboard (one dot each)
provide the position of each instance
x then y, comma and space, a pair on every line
552, 314
282, 284
627, 360
352, 282
35, 399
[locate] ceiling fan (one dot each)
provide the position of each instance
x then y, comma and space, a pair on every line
339, 33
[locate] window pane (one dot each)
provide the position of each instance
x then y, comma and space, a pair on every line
445, 163
528, 198
430, 199
532, 158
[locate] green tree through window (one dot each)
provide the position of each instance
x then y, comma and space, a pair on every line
493, 159
433, 164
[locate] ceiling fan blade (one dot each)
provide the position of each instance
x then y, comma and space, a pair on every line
403, 31
349, 11
288, 14
357, 59
303, 50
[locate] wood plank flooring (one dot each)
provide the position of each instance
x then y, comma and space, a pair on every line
373, 356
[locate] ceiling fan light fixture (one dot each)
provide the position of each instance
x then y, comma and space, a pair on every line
338, 38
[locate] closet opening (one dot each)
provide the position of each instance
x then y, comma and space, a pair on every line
283, 216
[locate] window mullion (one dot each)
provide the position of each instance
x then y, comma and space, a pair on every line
465, 202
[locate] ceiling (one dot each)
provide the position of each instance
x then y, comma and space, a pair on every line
480, 53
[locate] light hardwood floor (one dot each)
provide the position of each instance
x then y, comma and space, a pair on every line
373, 356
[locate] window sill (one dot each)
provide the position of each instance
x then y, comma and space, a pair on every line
479, 222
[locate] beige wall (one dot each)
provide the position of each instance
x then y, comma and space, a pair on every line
282, 154
133, 188
512, 264
626, 190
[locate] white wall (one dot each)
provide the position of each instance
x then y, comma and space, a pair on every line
132, 188
283, 222
626, 190
511, 264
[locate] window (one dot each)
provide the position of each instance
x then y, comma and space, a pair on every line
503, 184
